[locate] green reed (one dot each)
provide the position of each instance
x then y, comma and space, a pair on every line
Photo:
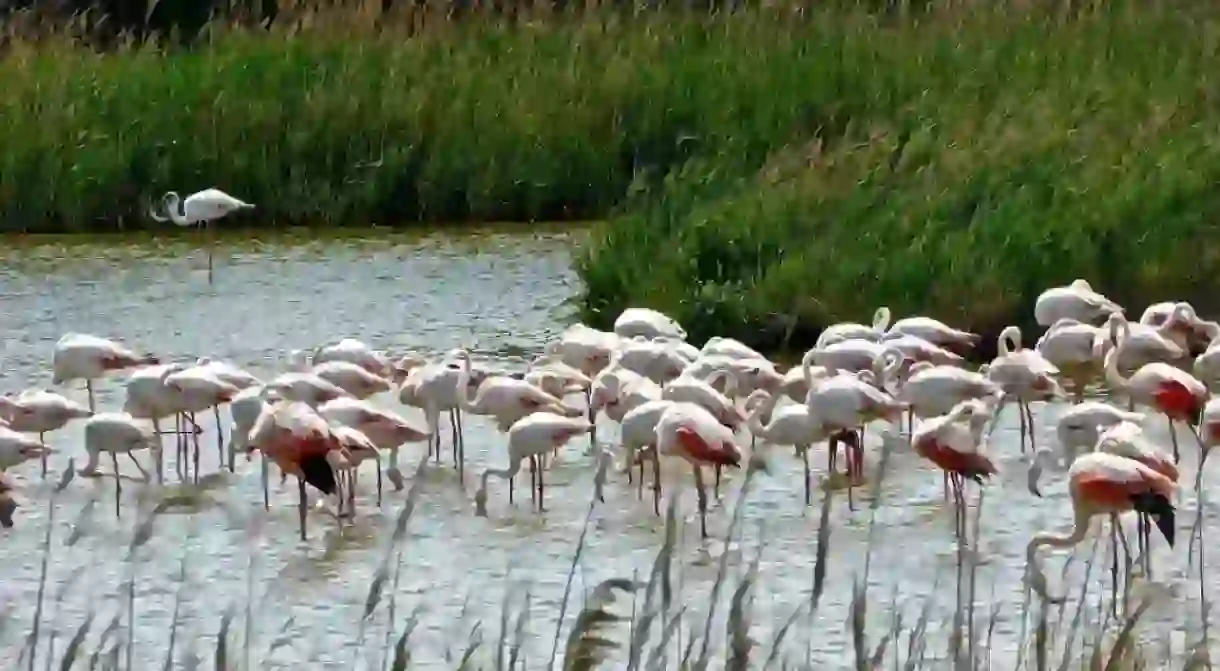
335, 119
953, 166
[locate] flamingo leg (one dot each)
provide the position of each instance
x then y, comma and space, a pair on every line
716, 486
89, 388
138, 466
179, 462
1029, 417
1114, 526
702, 501
639, 491
593, 423
805, 459
656, 482
265, 476
301, 505
118, 485
533, 479
378, 457
160, 453
541, 493
453, 431
1173, 435
195, 440
220, 443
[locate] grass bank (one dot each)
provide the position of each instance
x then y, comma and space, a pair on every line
955, 167
336, 119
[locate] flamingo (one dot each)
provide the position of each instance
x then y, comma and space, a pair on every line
638, 431
116, 433
847, 355
934, 390
917, 349
432, 388
836, 333
352, 378
688, 431
1069, 346
1081, 425
17, 448
844, 404
85, 357
647, 323
1076, 301
618, 391
1127, 439
1144, 344
1170, 391
1180, 319
728, 347
384, 429
1207, 365
197, 389
305, 388
244, 411
789, 425
353, 351
506, 399
40, 411
654, 359
1103, 484
933, 331
530, 438
952, 443
202, 207
356, 448
795, 385
1025, 374
301, 443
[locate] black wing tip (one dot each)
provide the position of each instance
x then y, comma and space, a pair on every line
319, 474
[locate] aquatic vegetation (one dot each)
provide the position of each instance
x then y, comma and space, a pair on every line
953, 168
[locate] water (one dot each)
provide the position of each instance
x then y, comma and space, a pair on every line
500, 294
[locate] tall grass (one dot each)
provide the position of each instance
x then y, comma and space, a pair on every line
953, 166
661, 632
339, 118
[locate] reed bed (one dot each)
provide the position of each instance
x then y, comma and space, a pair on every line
625, 622
337, 117
954, 168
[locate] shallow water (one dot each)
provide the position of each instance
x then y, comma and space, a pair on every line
501, 294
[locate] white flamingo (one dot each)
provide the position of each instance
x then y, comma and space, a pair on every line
1024, 374
688, 431
202, 207
852, 331
531, 437
1170, 391
79, 356
647, 323
789, 425
1081, 425
116, 433
40, 411
1069, 346
386, 430
1076, 301
936, 332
